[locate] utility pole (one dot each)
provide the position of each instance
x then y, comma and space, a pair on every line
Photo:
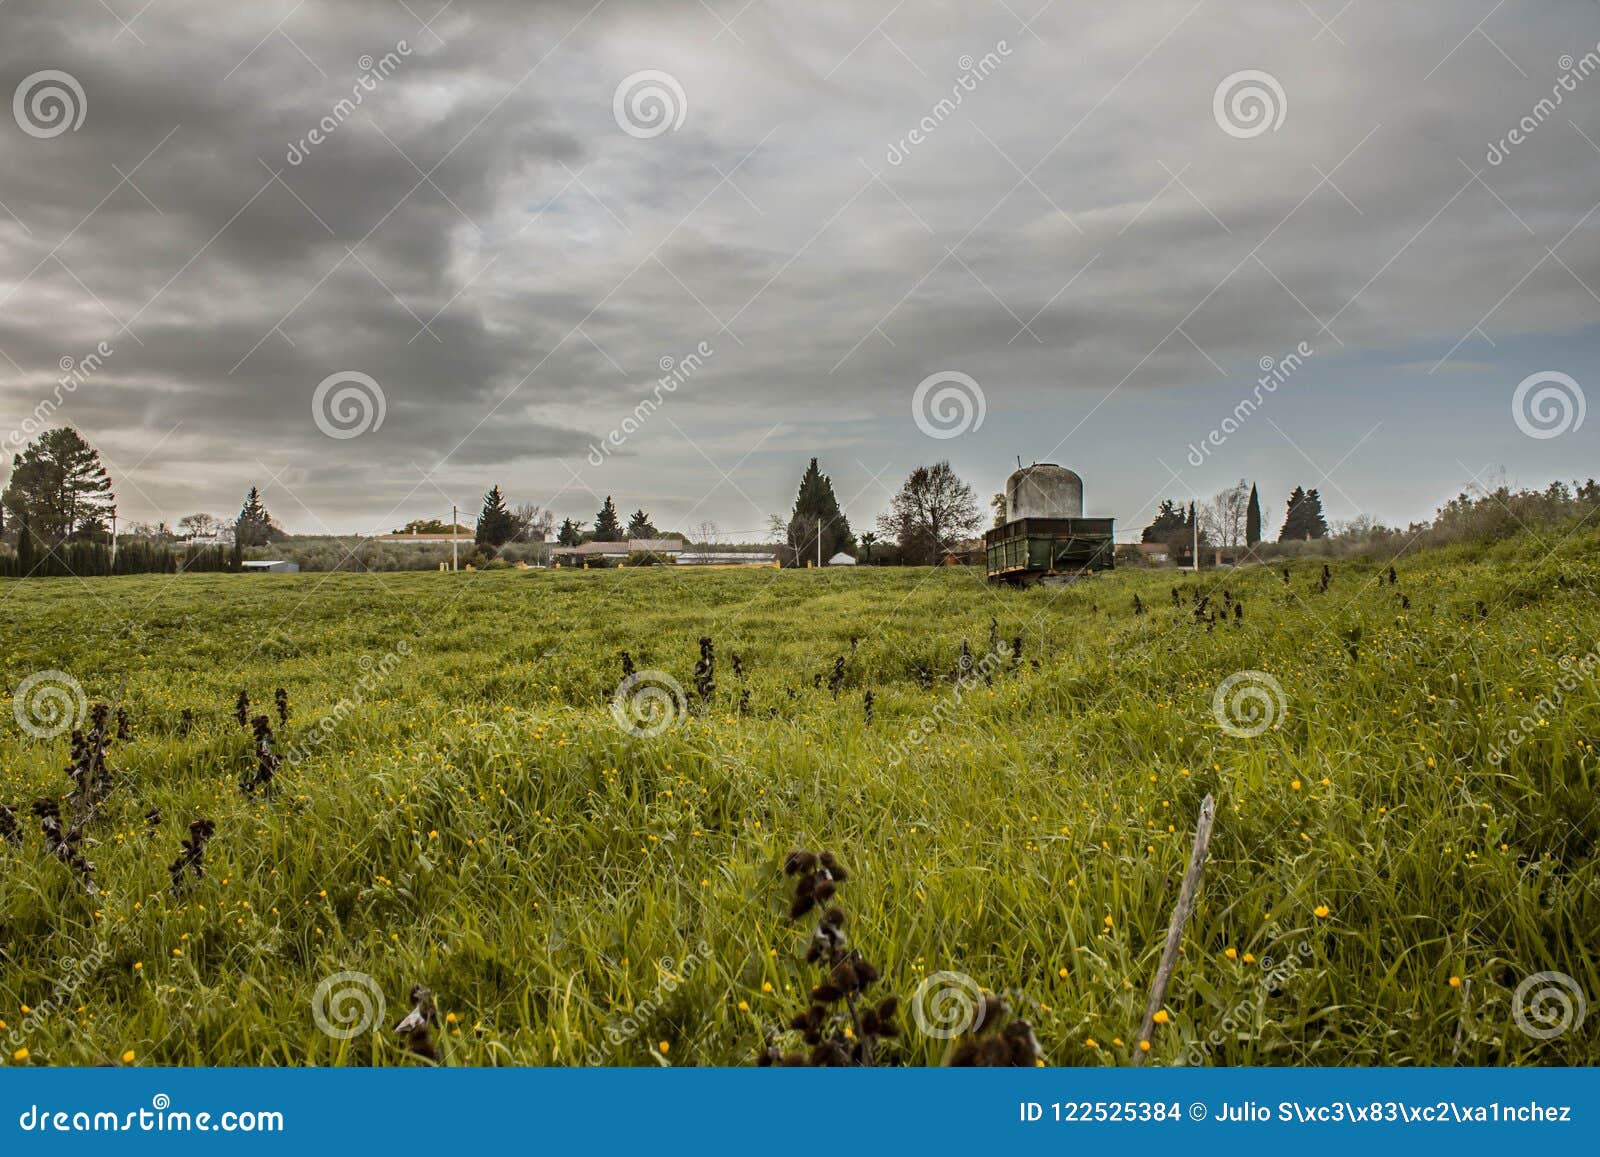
113, 542
1196, 541
454, 564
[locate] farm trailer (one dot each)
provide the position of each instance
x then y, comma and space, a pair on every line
1029, 551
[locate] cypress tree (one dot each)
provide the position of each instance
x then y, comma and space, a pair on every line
1252, 519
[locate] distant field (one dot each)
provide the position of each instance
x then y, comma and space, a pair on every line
475, 820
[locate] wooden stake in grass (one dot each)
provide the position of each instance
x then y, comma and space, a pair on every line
1187, 894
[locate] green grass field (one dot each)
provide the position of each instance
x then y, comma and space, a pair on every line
474, 819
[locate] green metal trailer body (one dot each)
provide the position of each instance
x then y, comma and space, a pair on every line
1032, 550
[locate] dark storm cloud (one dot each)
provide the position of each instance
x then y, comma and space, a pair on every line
480, 236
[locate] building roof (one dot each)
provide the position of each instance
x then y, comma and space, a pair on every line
594, 548
842, 559
713, 556
653, 545
446, 538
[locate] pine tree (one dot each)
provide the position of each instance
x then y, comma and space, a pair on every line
607, 526
254, 526
1168, 521
1316, 524
571, 533
1252, 519
817, 515
1303, 517
60, 486
640, 526
1287, 533
496, 524
25, 551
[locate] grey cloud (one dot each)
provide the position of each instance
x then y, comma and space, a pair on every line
556, 259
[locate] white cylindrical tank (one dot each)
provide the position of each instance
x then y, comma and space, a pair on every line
1044, 490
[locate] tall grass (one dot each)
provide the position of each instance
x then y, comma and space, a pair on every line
462, 811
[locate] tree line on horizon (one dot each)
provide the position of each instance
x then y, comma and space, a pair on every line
58, 514
932, 514
1232, 518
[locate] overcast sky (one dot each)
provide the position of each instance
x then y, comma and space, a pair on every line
506, 235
